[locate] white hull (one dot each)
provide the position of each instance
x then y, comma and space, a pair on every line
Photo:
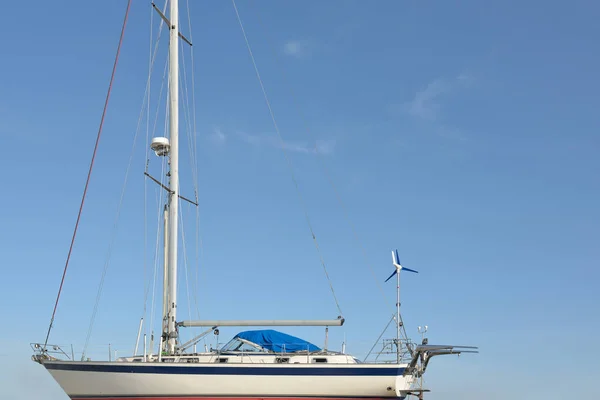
106, 380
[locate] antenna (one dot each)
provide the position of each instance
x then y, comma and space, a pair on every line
422, 330
160, 145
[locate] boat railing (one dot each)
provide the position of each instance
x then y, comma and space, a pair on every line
53, 352
44, 352
392, 351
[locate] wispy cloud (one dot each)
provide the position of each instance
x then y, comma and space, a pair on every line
426, 102
339, 38
296, 48
425, 108
217, 136
323, 147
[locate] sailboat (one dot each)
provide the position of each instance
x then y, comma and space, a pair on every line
255, 364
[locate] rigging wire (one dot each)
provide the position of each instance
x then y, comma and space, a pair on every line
339, 197
89, 171
330, 180
342, 203
185, 262
147, 99
113, 237
289, 162
187, 119
149, 328
150, 70
199, 248
159, 202
151, 60
190, 125
193, 166
109, 252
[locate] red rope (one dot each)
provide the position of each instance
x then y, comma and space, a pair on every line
87, 182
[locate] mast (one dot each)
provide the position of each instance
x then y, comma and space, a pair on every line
173, 218
398, 355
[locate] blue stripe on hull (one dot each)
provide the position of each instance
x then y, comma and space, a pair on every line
290, 370
233, 398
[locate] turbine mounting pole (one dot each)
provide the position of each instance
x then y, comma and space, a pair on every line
398, 355
397, 269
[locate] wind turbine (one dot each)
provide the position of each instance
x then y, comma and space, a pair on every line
398, 267
396, 263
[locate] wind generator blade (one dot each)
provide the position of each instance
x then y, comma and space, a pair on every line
396, 262
392, 275
408, 269
395, 258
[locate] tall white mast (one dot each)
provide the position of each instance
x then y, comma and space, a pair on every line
174, 172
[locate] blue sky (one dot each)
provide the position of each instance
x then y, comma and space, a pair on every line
465, 135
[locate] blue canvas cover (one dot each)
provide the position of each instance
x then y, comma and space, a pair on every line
278, 342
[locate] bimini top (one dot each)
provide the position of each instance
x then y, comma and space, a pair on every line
278, 342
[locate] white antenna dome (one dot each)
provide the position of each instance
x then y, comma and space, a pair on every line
160, 145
